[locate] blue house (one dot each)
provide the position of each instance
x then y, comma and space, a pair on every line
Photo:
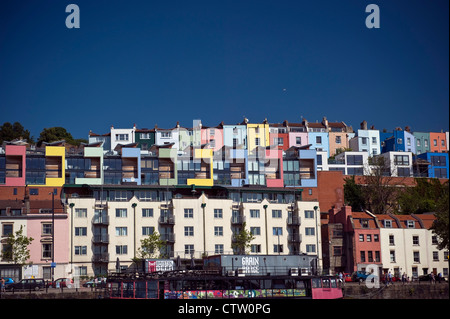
398, 140
437, 166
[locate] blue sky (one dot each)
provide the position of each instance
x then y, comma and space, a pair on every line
159, 62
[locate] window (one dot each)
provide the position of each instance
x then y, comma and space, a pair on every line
399, 141
189, 249
80, 231
435, 142
256, 248
254, 213
81, 212
392, 256
310, 231
277, 248
337, 250
218, 249
255, 231
416, 256
257, 141
354, 160
309, 214
276, 213
435, 256
46, 229
410, 224
338, 140
370, 256
364, 140
391, 240
46, 251
377, 256
401, 160
121, 212
188, 213
415, 240
121, 231
364, 223
167, 134
310, 248
34, 191
147, 230
189, 231
279, 141
218, 213
298, 140
277, 231
361, 237
318, 139
121, 249
376, 238
369, 238
387, 223
7, 229
218, 231
147, 212
374, 140
403, 171
80, 250
121, 137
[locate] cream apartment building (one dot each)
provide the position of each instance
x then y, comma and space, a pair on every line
108, 232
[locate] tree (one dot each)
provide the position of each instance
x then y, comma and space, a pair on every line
353, 194
54, 134
9, 132
16, 248
150, 245
441, 226
242, 241
424, 197
380, 196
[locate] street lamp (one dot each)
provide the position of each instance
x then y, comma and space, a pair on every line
53, 234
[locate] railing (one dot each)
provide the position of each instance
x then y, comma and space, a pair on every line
237, 220
295, 238
100, 239
100, 258
100, 220
170, 220
293, 220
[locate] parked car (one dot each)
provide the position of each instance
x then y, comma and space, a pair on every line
101, 283
27, 284
361, 275
61, 282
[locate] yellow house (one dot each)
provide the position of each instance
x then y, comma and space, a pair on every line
204, 177
55, 162
257, 135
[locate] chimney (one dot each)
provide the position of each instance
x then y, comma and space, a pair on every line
363, 125
325, 122
407, 129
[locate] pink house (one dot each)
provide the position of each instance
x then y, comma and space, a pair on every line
274, 168
39, 227
213, 136
15, 165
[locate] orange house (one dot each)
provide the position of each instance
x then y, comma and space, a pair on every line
438, 142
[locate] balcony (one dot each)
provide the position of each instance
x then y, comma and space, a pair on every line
100, 239
295, 238
237, 220
100, 258
100, 220
170, 238
167, 220
293, 221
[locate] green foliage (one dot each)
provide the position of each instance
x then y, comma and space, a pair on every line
150, 246
353, 194
441, 226
54, 134
9, 132
422, 198
16, 248
242, 241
